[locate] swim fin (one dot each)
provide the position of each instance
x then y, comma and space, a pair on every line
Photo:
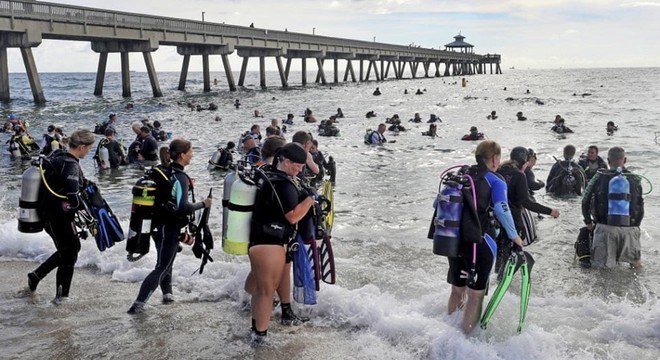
327, 259
518, 260
108, 230
526, 287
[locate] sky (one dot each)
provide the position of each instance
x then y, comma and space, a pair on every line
534, 34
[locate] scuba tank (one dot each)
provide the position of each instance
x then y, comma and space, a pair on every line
241, 203
618, 200
13, 148
28, 219
215, 158
142, 212
104, 158
226, 191
449, 210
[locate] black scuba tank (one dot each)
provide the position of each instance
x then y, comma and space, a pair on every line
142, 212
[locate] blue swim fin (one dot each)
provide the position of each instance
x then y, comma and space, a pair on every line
108, 230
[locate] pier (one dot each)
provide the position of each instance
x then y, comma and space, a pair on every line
24, 24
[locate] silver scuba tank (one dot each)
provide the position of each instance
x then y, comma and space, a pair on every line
226, 192
28, 219
13, 148
104, 157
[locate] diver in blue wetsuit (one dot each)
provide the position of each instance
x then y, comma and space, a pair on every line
491, 193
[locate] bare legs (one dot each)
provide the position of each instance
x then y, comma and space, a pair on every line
471, 301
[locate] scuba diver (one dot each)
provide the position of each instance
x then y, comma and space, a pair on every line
433, 131
115, 152
416, 118
560, 127
288, 120
613, 208
473, 135
62, 175
566, 177
49, 142
376, 137
328, 128
611, 128
532, 183
475, 259
591, 163
173, 213
396, 125
513, 172
272, 228
158, 133
223, 158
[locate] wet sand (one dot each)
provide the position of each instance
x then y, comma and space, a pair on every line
94, 324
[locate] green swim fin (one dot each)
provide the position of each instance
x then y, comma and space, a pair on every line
526, 287
510, 269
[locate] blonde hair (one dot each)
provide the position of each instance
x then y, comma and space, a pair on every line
486, 150
81, 137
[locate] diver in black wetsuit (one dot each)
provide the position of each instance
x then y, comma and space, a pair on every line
173, 214
65, 180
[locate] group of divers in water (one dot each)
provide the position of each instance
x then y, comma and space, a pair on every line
277, 209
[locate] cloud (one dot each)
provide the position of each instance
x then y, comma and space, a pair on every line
640, 4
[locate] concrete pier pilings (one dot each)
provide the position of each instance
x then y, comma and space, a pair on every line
23, 25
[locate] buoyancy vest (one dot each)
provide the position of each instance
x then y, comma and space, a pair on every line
611, 201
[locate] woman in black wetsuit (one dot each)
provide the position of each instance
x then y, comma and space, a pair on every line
170, 218
65, 180
278, 208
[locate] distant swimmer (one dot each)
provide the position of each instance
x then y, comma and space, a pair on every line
377, 92
213, 107
492, 116
463, 82
527, 92
257, 113
504, 88
405, 91
520, 117
370, 114
611, 128
561, 128
339, 114
396, 125
433, 131
474, 135
539, 101
288, 120
419, 92
433, 119
237, 104
416, 118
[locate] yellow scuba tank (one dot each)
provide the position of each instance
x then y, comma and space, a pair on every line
28, 219
142, 212
241, 203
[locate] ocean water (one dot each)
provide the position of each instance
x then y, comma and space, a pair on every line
390, 298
